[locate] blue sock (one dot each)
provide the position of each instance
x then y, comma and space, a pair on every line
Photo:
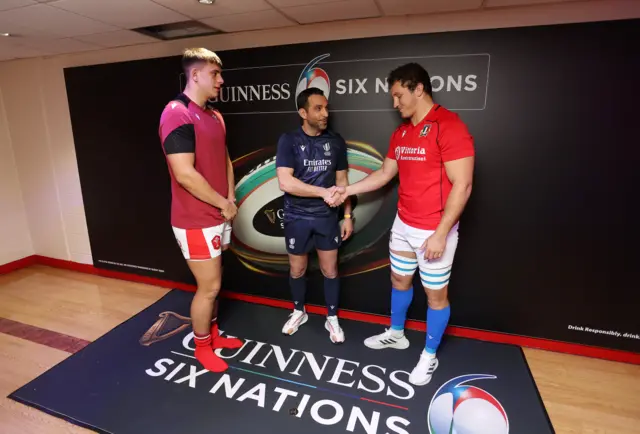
400, 301
437, 321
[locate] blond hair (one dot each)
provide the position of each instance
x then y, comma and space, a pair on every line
191, 56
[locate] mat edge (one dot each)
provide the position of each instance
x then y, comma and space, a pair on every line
535, 386
54, 413
563, 347
80, 351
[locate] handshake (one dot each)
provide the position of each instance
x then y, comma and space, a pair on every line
335, 196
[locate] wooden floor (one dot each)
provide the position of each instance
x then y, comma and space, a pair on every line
69, 310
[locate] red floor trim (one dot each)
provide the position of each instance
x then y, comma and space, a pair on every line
42, 336
482, 335
16, 265
543, 344
90, 269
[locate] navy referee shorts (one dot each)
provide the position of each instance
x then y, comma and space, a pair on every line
321, 233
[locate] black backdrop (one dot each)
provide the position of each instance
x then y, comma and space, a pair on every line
548, 241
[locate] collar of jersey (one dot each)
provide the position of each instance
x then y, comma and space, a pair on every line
427, 118
302, 131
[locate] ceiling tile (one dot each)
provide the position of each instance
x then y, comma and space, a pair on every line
500, 3
16, 30
57, 46
413, 7
122, 13
12, 4
119, 38
197, 10
54, 21
12, 50
249, 21
291, 3
334, 11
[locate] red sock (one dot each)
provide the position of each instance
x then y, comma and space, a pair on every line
220, 342
206, 356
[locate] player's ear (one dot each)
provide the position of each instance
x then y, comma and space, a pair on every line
419, 90
194, 70
303, 113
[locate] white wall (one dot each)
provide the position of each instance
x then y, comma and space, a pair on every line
39, 126
15, 240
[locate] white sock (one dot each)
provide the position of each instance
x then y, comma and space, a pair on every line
397, 333
428, 355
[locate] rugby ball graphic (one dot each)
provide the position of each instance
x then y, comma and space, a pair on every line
258, 229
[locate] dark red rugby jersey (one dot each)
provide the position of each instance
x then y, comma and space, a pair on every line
186, 127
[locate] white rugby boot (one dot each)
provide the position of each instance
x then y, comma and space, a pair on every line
296, 319
335, 331
423, 371
389, 339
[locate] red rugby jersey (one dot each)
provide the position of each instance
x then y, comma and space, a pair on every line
421, 152
186, 127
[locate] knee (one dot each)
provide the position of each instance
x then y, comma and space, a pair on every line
402, 283
437, 299
209, 291
298, 271
330, 272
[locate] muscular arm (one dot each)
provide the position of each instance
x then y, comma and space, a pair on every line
182, 165
460, 173
342, 180
289, 184
231, 179
377, 179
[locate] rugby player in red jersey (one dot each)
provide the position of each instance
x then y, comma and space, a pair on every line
193, 139
434, 155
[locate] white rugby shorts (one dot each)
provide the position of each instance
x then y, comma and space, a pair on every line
435, 273
203, 244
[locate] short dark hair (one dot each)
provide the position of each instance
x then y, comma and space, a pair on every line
303, 97
409, 76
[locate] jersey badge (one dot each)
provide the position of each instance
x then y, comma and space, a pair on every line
425, 130
302, 147
327, 149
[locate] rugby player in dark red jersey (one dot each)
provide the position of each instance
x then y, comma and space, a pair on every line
434, 155
193, 138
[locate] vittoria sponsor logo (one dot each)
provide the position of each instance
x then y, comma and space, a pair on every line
410, 153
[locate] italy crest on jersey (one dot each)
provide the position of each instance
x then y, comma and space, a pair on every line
425, 130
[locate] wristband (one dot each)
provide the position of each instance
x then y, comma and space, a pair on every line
347, 216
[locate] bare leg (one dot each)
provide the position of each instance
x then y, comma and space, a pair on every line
208, 277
